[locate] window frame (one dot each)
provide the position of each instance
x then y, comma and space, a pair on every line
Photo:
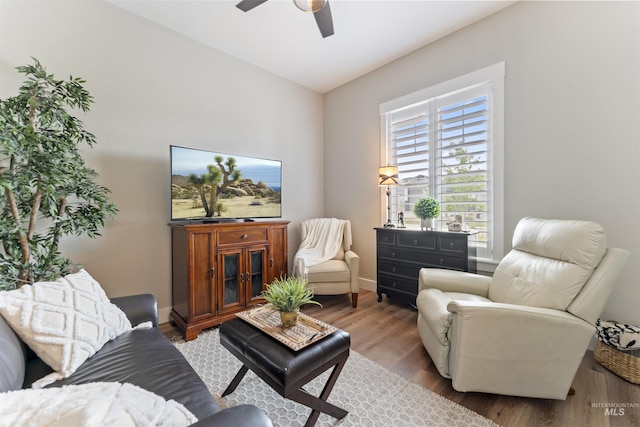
495, 159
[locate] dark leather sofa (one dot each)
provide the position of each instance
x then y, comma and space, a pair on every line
145, 358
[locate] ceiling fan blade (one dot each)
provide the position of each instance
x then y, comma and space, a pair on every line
324, 20
247, 5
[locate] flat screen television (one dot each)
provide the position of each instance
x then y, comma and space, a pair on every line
216, 187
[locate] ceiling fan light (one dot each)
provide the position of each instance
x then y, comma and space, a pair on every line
310, 5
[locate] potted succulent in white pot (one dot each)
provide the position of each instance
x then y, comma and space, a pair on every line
287, 295
427, 209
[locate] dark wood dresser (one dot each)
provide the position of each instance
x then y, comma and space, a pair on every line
401, 253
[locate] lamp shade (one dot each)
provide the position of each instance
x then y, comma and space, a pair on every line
310, 5
388, 175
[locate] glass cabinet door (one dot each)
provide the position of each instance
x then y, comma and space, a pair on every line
257, 271
231, 278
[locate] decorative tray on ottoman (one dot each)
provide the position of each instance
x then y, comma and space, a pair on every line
306, 331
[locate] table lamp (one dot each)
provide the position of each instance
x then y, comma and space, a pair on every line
388, 175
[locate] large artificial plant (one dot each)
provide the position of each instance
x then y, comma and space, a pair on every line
47, 190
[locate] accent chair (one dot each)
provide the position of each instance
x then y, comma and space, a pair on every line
524, 331
339, 275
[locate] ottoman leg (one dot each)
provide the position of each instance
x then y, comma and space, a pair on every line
236, 380
320, 404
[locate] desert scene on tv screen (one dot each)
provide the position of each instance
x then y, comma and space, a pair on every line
206, 185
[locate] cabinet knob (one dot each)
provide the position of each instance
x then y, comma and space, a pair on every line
441, 261
393, 254
393, 284
415, 242
452, 245
386, 238
244, 236
393, 270
213, 272
242, 277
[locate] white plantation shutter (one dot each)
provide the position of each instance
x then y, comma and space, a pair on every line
442, 140
410, 138
461, 166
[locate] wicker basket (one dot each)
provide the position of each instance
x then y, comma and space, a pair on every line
625, 364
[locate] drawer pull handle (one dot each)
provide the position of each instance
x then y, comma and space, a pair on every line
213, 272
393, 254
415, 242
244, 236
441, 261
452, 245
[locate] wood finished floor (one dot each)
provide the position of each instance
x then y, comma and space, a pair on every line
386, 333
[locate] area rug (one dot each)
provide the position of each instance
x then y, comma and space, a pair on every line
373, 395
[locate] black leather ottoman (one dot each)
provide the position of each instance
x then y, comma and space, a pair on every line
285, 370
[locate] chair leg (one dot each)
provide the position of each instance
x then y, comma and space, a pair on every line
354, 299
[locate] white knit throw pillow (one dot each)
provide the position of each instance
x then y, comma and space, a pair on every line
64, 322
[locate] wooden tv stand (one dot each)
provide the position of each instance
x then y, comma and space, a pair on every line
220, 269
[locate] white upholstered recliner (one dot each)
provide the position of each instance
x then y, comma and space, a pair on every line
524, 331
326, 259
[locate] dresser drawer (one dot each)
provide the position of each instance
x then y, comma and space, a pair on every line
443, 261
409, 265
386, 238
241, 236
389, 252
452, 244
398, 284
417, 240
400, 269
402, 254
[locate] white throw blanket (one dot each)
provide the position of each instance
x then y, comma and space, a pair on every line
103, 404
322, 240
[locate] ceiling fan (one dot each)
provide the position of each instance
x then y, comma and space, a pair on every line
320, 9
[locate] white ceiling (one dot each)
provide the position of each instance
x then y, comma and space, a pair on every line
280, 38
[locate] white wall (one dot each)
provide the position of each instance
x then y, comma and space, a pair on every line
572, 123
153, 88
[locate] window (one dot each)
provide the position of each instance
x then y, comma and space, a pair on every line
447, 144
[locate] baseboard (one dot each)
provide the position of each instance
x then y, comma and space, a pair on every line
163, 315
369, 285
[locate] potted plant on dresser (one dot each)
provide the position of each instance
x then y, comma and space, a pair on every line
427, 209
